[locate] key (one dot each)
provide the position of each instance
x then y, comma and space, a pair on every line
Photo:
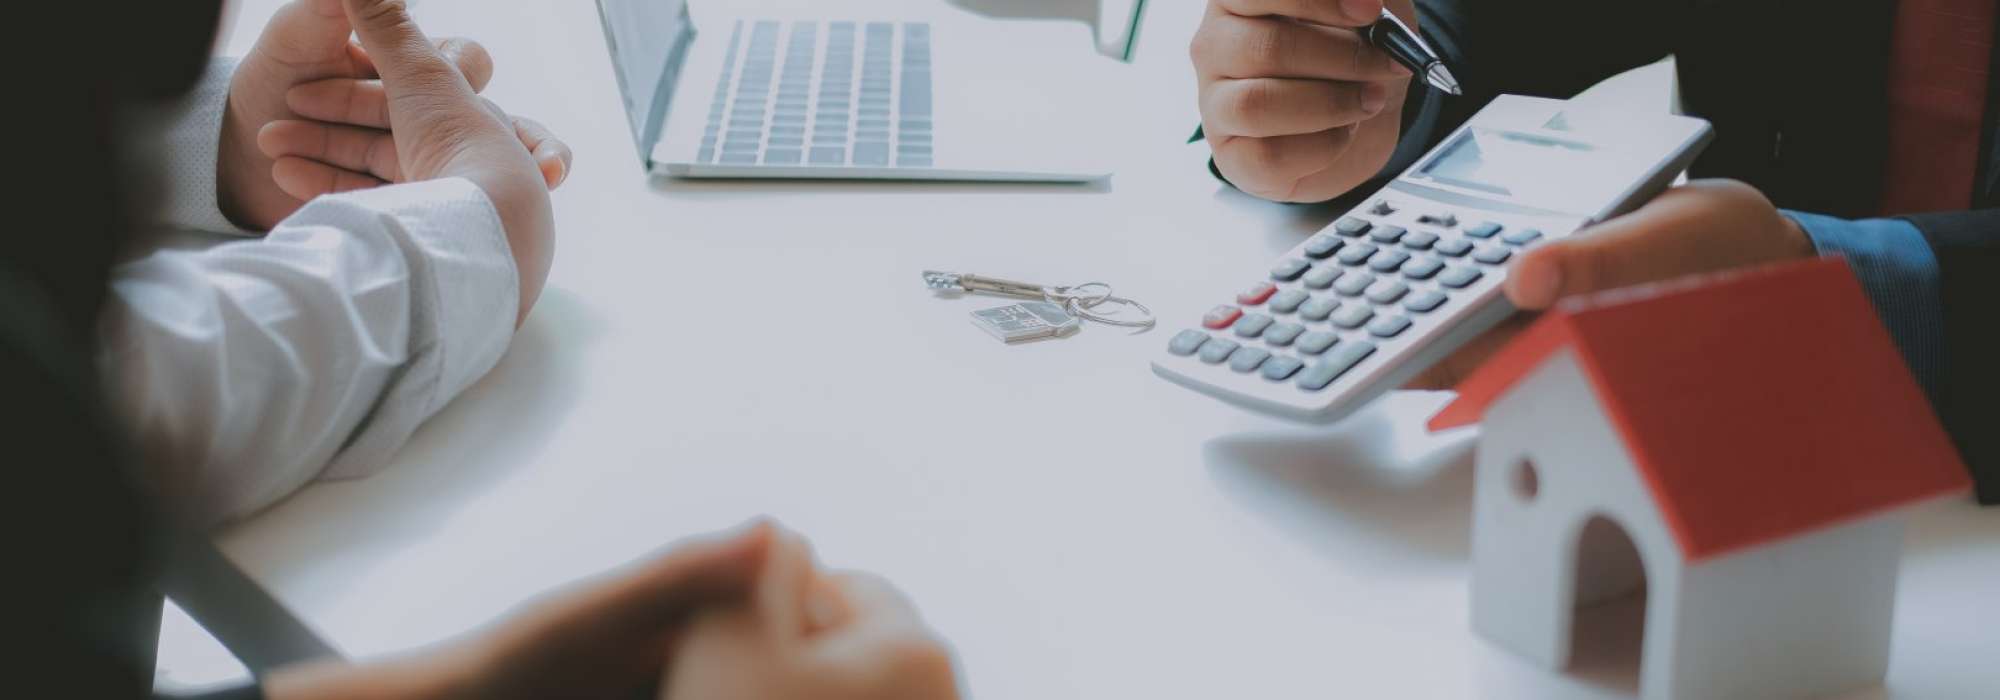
1320, 247
1283, 334
1321, 277
1187, 342
1288, 301
1350, 227
1336, 364
1290, 270
1317, 342
1318, 309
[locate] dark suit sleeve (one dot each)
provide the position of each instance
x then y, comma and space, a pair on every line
1546, 48
1967, 245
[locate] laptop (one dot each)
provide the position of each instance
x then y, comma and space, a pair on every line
880, 99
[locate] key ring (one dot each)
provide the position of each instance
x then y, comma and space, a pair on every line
1078, 300
1063, 295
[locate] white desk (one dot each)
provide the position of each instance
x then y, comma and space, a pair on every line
1078, 528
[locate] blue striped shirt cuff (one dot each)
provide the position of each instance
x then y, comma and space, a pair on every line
1897, 268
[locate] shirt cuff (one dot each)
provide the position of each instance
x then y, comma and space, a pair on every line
463, 303
1897, 268
190, 136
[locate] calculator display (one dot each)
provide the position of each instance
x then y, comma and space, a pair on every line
1533, 169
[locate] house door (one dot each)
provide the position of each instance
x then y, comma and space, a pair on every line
1609, 622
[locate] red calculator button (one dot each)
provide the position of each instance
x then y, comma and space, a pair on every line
1256, 295
1221, 317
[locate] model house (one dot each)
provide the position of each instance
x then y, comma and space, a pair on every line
1744, 447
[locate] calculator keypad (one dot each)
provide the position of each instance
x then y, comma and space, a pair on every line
1365, 282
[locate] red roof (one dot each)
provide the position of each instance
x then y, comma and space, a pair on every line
1758, 405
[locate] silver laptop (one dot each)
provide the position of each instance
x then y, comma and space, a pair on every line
847, 99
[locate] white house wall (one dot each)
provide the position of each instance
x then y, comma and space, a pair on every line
1802, 618
1525, 554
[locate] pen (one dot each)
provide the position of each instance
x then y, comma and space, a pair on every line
1394, 37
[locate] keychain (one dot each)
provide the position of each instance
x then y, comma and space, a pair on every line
1054, 313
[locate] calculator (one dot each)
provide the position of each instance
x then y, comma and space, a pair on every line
1414, 272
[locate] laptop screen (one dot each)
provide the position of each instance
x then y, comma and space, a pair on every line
649, 39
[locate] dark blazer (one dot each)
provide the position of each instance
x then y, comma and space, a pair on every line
1798, 96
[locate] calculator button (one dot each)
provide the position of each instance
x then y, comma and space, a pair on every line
1257, 294
1386, 234
1356, 254
1350, 227
1187, 342
1289, 300
1280, 368
1316, 342
1382, 208
1388, 261
1283, 334
1424, 301
1217, 349
1388, 326
1321, 246
1336, 364
1454, 247
1445, 219
1484, 229
1220, 317
1422, 268
1521, 235
1290, 270
1252, 325
1321, 277
1493, 255
1459, 277
1387, 291
1353, 316
1353, 285
1319, 308
1248, 359
1421, 240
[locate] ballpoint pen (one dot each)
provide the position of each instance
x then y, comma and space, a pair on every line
1402, 44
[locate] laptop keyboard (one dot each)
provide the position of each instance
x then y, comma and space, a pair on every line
848, 94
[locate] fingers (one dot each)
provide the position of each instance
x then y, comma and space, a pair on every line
361, 100
886, 650
784, 584
304, 178
428, 100
667, 588
369, 151
1336, 13
870, 597
1282, 106
1703, 226
1272, 167
1448, 372
471, 58
551, 154
306, 33
1243, 47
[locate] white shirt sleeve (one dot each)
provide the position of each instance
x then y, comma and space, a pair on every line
249, 368
190, 135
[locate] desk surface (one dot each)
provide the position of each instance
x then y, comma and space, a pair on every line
1076, 527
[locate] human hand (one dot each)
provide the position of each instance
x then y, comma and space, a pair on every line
808, 635
1703, 226
444, 130
1297, 105
306, 90
610, 638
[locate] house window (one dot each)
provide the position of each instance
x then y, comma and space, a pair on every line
1527, 480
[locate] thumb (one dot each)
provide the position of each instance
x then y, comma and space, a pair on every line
1666, 238
307, 32
426, 93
